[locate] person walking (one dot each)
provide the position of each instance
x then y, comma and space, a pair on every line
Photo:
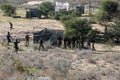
16, 45
11, 25
41, 44
27, 37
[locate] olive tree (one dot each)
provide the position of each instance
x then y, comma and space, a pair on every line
8, 9
108, 12
114, 31
110, 8
45, 8
76, 26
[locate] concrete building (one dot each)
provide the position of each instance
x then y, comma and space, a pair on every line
61, 6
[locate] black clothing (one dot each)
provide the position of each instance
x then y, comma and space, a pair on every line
41, 44
27, 39
59, 41
73, 42
16, 45
9, 38
65, 42
11, 25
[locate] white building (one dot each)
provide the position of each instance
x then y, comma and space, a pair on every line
60, 6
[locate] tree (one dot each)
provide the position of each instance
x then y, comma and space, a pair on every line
8, 9
45, 8
110, 8
114, 31
102, 17
108, 12
76, 27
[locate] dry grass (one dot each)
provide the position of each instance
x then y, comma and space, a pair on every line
60, 64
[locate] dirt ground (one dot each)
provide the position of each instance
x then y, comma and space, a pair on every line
21, 26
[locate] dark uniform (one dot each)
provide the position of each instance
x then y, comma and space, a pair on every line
73, 42
78, 42
69, 42
82, 41
8, 38
88, 43
27, 39
65, 42
11, 26
93, 42
41, 44
59, 41
16, 45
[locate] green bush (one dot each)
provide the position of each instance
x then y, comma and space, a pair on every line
64, 12
45, 8
54, 15
76, 27
8, 9
110, 8
76, 13
102, 16
65, 18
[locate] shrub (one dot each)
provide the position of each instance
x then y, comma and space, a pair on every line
76, 13
62, 66
65, 18
45, 8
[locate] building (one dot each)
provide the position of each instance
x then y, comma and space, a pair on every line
30, 13
61, 6
47, 35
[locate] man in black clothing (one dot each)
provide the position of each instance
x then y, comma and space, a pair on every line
82, 41
11, 25
27, 39
73, 40
93, 43
16, 45
59, 41
65, 42
9, 38
69, 42
41, 44
89, 43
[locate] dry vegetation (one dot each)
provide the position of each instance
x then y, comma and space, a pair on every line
59, 64
54, 63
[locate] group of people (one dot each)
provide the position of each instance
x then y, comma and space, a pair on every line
74, 42
77, 42
17, 41
68, 42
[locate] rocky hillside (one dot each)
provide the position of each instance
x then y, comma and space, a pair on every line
71, 1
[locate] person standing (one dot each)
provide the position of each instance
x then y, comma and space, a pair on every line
16, 45
8, 38
65, 42
59, 38
41, 44
27, 37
